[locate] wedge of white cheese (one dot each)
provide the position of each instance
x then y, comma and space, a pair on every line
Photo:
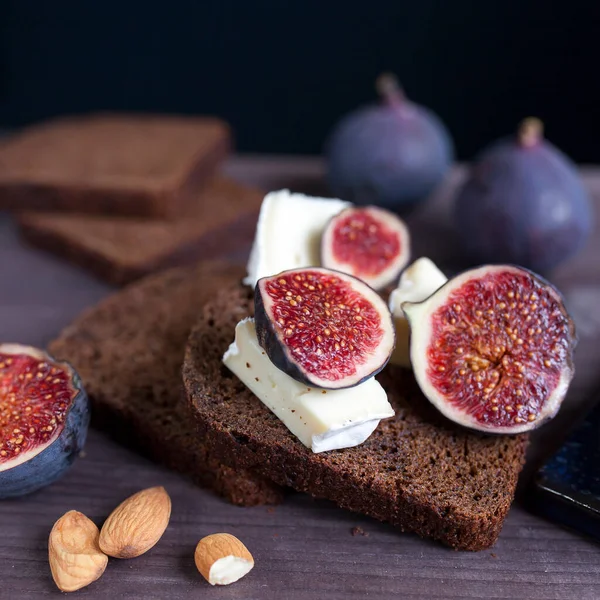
288, 234
417, 283
320, 419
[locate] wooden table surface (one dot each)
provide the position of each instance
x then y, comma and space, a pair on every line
303, 548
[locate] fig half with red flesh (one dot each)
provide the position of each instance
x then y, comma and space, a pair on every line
323, 328
44, 417
370, 243
493, 349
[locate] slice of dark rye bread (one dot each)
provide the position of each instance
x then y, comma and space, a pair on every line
128, 350
120, 250
416, 471
118, 164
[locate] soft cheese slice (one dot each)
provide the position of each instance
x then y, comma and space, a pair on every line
418, 282
288, 234
320, 419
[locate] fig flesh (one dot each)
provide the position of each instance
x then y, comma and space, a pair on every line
523, 203
418, 281
370, 243
393, 154
323, 328
493, 349
44, 418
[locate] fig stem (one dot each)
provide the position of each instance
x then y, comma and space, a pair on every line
530, 132
389, 89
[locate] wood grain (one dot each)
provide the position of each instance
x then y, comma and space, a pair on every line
304, 548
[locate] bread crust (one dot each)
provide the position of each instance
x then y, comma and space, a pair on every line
107, 164
120, 251
128, 351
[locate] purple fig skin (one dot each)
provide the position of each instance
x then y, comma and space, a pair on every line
523, 203
393, 154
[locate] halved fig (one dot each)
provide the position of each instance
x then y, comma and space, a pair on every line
370, 243
323, 328
493, 349
44, 417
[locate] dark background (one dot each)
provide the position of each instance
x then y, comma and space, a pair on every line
283, 72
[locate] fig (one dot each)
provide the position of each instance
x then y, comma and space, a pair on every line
392, 154
370, 243
44, 418
323, 328
417, 282
492, 349
523, 203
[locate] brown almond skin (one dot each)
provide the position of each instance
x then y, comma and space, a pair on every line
136, 524
73, 552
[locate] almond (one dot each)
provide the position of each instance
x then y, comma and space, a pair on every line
73, 551
222, 559
136, 524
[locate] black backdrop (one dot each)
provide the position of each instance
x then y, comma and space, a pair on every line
283, 72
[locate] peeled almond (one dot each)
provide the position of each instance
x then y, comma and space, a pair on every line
222, 559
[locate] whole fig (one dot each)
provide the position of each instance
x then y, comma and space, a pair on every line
523, 203
392, 154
